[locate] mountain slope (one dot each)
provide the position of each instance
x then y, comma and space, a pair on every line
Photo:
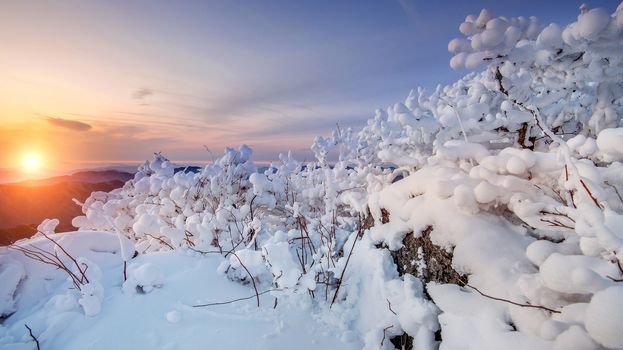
25, 204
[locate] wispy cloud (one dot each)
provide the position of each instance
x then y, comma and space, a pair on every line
68, 124
409, 8
142, 93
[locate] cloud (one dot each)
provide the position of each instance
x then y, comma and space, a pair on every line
142, 93
410, 10
68, 124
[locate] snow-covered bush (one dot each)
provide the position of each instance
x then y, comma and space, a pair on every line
528, 197
77, 261
285, 226
143, 279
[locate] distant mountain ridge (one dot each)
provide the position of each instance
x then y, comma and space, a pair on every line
89, 176
25, 204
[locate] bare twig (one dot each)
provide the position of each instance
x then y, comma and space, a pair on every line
52, 258
121, 248
84, 277
390, 307
239, 299
33, 337
570, 191
512, 302
252, 233
204, 251
591, 194
384, 331
615, 279
355, 239
159, 239
615, 190
620, 266
257, 295
556, 223
350, 189
187, 236
557, 213
233, 247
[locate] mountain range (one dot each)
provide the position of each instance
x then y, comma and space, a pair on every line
23, 205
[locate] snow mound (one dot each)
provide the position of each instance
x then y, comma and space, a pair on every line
11, 275
604, 317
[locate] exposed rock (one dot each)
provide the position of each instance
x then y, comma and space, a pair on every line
368, 221
422, 258
403, 341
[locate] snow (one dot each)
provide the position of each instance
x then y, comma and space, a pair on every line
604, 317
166, 318
574, 338
143, 279
11, 275
91, 298
550, 37
513, 171
282, 264
470, 322
575, 273
260, 183
610, 143
592, 23
174, 316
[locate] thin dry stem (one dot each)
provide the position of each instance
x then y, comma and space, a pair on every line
257, 295
513, 302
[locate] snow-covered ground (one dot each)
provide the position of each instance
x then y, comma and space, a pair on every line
163, 317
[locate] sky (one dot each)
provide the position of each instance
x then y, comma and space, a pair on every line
90, 83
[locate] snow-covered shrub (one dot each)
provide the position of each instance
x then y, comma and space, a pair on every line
527, 197
143, 279
285, 226
77, 261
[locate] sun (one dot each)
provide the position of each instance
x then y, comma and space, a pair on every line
31, 162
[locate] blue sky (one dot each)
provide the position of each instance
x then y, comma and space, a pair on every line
171, 76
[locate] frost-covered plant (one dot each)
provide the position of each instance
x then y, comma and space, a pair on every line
554, 97
287, 224
58, 257
82, 274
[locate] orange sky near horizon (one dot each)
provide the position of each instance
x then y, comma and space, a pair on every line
88, 83
79, 90
73, 124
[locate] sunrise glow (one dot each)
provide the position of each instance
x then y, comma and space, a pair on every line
31, 162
